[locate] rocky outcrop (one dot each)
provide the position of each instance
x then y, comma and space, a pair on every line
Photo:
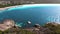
7, 24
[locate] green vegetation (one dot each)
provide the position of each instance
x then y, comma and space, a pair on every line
16, 31
1, 6
47, 29
55, 29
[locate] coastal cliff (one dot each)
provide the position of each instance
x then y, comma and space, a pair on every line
49, 28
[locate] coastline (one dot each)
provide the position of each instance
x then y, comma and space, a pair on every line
4, 8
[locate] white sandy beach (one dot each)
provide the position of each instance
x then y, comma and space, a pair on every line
6, 7
28, 5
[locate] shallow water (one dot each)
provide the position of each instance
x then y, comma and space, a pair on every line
37, 15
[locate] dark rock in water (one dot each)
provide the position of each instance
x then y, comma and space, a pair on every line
37, 26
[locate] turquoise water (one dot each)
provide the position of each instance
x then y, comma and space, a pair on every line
37, 15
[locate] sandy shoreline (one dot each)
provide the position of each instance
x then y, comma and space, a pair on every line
30, 5
6, 7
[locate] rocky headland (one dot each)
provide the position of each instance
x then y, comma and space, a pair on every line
9, 27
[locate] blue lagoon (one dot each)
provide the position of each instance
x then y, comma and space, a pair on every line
36, 13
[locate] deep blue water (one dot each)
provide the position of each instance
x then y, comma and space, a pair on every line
37, 15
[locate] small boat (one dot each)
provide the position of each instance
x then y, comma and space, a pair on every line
29, 22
